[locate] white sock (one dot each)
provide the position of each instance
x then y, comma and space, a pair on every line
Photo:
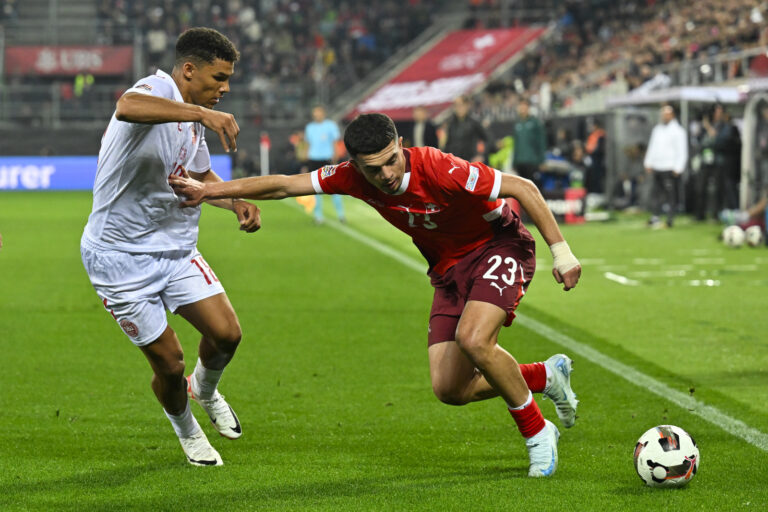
205, 380
525, 404
184, 424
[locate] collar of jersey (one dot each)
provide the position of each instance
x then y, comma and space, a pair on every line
176, 92
406, 175
403, 184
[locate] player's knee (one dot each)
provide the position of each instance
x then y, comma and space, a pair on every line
228, 338
478, 348
172, 367
448, 394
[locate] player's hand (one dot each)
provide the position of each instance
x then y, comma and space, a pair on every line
569, 279
225, 125
192, 189
248, 214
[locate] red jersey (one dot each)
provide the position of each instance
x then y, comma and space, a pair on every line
447, 205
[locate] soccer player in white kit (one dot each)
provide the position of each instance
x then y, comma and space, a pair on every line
139, 246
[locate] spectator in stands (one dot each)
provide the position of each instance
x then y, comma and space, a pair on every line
424, 132
463, 132
530, 144
321, 135
666, 160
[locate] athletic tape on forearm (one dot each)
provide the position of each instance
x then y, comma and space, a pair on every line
562, 257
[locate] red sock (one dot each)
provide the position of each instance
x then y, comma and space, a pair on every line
535, 375
529, 419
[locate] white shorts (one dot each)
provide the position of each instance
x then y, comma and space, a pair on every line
136, 289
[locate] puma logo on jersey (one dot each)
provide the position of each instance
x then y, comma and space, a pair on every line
500, 288
450, 171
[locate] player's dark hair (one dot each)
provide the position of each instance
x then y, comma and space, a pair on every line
368, 134
202, 44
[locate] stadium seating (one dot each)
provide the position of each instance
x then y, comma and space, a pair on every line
597, 43
292, 52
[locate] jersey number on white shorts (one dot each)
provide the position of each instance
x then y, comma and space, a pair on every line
205, 269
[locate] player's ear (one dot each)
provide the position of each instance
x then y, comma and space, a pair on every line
188, 69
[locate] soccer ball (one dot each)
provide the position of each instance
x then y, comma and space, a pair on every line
666, 456
733, 236
754, 236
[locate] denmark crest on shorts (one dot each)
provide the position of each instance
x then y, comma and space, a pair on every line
129, 328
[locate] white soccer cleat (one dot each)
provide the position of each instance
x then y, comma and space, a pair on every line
199, 451
222, 416
558, 388
542, 451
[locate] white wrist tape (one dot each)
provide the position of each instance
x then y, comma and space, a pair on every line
562, 257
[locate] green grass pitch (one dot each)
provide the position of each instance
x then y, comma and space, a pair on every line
331, 381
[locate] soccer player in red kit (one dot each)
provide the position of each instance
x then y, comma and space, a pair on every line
481, 260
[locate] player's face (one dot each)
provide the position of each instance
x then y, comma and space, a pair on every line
207, 83
385, 169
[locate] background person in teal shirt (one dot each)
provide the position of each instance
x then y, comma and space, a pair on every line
321, 135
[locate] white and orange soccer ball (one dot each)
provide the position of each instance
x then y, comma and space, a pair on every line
666, 456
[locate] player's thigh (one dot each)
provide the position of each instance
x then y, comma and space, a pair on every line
501, 278
129, 286
214, 317
195, 293
480, 324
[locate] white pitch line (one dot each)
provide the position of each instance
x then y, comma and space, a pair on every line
620, 279
704, 411
707, 412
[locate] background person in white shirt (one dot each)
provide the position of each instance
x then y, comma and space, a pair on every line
665, 160
139, 246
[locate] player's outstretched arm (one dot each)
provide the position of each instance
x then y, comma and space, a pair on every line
134, 107
277, 186
248, 214
567, 269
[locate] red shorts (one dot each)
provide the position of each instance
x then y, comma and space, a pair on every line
498, 273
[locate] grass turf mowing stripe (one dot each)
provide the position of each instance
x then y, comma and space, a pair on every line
711, 414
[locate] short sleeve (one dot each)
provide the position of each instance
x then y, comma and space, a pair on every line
153, 85
458, 176
202, 160
334, 179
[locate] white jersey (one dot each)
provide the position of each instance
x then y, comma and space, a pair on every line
134, 207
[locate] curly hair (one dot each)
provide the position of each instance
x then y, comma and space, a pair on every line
369, 133
202, 44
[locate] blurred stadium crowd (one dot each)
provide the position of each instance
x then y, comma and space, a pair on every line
599, 42
317, 45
